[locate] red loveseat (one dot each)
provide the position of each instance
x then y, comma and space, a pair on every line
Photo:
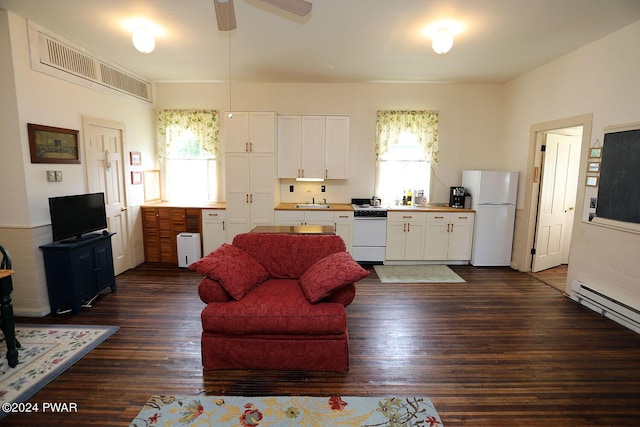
277, 301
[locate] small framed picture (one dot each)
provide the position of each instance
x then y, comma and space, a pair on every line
594, 167
136, 158
596, 152
592, 181
136, 177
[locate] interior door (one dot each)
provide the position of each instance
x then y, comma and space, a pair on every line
104, 148
556, 201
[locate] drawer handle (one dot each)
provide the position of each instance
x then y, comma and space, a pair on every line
463, 217
439, 217
407, 216
213, 214
343, 216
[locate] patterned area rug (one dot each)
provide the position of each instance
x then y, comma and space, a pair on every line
46, 351
417, 274
275, 411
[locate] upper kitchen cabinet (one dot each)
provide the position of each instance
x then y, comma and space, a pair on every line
336, 147
313, 147
250, 132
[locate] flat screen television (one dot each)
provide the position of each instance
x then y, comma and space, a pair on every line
73, 216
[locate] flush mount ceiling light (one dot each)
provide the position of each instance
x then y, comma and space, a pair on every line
442, 33
143, 40
144, 33
442, 41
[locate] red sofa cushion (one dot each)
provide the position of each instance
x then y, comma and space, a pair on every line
288, 256
330, 273
237, 271
275, 307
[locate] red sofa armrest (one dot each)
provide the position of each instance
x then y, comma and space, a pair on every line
212, 291
343, 295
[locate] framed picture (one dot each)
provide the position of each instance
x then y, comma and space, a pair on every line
53, 145
594, 167
596, 152
136, 158
136, 177
592, 181
152, 189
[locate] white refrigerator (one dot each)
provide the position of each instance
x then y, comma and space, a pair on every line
493, 197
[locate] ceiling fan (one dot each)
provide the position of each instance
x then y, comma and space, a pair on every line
226, 14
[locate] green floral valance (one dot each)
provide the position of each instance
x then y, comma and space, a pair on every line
422, 124
205, 124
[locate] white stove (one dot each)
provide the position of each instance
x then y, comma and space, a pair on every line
369, 232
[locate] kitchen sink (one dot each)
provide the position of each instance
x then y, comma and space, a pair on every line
312, 206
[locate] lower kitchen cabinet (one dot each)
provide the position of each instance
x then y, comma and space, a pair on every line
341, 221
405, 236
448, 236
160, 227
214, 229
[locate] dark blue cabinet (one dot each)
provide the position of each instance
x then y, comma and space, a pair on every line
78, 270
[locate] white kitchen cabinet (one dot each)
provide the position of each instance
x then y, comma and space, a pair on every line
337, 147
344, 227
342, 221
448, 236
250, 167
214, 229
312, 153
313, 147
250, 132
405, 236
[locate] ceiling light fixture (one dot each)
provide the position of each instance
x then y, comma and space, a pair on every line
144, 33
143, 40
441, 33
442, 41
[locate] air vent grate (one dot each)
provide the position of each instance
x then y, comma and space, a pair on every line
70, 60
50, 54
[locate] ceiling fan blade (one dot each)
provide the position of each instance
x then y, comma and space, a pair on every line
225, 14
297, 7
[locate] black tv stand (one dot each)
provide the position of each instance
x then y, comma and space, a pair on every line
77, 270
81, 238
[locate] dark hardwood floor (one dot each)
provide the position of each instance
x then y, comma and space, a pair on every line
503, 349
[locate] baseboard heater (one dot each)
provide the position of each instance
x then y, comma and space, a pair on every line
608, 307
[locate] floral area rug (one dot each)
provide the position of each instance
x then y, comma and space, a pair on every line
417, 274
46, 351
276, 411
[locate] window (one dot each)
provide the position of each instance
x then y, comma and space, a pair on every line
188, 146
406, 144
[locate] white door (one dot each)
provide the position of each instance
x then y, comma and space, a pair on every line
104, 148
556, 201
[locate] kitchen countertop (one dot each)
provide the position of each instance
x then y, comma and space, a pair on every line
427, 208
294, 229
196, 205
333, 207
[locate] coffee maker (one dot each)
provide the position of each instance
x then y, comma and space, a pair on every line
456, 197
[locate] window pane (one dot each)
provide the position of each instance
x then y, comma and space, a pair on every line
191, 180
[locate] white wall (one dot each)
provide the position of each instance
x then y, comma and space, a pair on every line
471, 120
33, 97
602, 79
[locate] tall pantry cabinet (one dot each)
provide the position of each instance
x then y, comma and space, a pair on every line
250, 170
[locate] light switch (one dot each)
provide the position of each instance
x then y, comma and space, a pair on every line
51, 176
58, 176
